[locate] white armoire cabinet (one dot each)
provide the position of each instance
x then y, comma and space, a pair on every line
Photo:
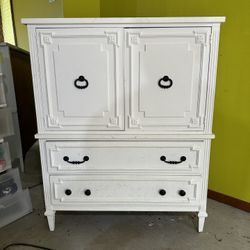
124, 110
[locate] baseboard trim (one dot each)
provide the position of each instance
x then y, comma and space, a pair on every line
234, 202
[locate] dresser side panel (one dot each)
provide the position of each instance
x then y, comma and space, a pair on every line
212, 73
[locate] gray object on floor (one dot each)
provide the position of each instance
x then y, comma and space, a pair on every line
14, 202
14, 207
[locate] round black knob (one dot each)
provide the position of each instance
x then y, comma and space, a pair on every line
183, 158
87, 192
182, 193
165, 78
86, 158
162, 192
65, 158
162, 158
81, 78
68, 192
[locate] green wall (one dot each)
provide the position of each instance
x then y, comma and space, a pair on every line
230, 166
33, 8
79, 8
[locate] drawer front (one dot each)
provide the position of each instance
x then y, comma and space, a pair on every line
87, 189
82, 73
173, 157
167, 78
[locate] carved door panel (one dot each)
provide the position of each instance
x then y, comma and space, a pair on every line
166, 78
82, 69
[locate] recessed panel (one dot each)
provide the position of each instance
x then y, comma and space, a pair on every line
83, 75
167, 78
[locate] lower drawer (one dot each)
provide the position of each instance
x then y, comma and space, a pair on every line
128, 189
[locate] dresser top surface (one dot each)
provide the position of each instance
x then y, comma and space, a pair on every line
122, 21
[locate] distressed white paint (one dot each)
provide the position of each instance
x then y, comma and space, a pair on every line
123, 121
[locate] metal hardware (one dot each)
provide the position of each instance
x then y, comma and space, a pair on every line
87, 192
82, 85
68, 192
182, 193
66, 158
182, 159
162, 192
165, 79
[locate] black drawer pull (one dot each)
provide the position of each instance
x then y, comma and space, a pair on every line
182, 193
84, 82
182, 159
85, 158
165, 79
68, 192
87, 192
162, 192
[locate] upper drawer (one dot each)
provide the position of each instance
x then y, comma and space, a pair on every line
131, 157
167, 78
80, 79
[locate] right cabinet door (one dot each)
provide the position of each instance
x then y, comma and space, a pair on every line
166, 78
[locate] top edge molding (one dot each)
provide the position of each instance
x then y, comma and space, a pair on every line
122, 21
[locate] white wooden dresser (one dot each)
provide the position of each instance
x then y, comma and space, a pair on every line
124, 110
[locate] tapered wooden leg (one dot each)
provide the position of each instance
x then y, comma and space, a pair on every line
202, 216
51, 219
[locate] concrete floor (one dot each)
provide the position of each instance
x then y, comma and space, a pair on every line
225, 228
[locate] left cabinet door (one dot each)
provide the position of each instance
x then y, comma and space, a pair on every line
79, 84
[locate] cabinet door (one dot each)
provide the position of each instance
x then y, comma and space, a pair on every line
80, 74
166, 78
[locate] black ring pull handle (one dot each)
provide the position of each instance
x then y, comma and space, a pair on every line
84, 82
182, 159
66, 158
168, 82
